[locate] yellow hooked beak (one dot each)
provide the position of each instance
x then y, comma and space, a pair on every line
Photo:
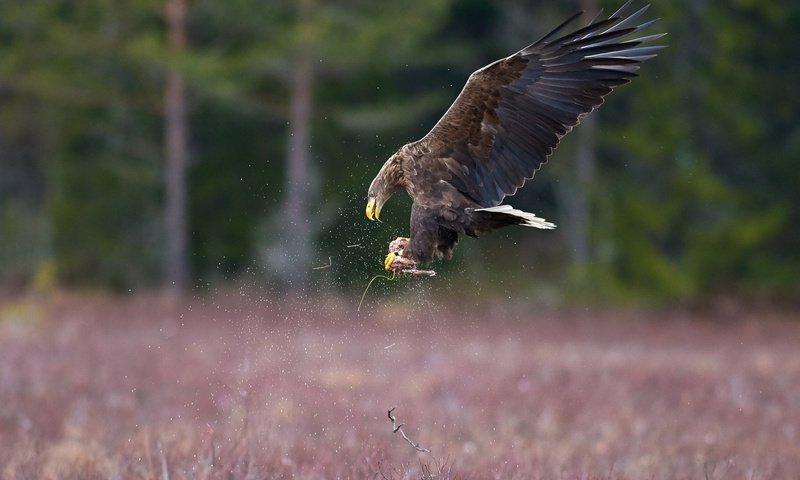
373, 209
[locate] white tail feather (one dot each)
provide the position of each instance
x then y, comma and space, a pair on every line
531, 220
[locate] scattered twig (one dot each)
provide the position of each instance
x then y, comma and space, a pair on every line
387, 347
330, 263
355, 245
370, 284
399, 428
414, 271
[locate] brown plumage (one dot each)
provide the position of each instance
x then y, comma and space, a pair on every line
507, 120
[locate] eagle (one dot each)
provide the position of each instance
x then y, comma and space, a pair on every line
505, 123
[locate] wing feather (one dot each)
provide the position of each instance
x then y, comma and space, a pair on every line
512, 113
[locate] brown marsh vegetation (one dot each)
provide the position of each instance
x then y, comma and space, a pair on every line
224, 389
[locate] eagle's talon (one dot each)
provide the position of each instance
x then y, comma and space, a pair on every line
387, 264
398, 263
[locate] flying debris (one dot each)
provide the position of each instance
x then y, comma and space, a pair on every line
508, 119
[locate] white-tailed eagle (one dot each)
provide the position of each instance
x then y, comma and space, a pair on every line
500, 130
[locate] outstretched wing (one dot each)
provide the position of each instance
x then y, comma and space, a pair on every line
512, 113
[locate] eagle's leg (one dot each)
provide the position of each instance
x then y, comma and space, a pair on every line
395, 260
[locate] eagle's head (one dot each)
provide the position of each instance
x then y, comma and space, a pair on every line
388, 181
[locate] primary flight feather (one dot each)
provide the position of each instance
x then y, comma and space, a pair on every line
506, 121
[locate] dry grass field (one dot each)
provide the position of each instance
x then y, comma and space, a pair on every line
236, 388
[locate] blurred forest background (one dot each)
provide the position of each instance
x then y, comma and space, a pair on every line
192, 144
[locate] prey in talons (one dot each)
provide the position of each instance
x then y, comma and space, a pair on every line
398, 263
395, 259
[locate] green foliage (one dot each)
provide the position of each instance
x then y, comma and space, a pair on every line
700, 195
696, 181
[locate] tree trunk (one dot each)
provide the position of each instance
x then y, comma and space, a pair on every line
582, 182
176, 263
298, 178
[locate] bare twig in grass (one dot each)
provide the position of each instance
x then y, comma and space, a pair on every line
442, 470
329, 265
355, 245
399, 428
